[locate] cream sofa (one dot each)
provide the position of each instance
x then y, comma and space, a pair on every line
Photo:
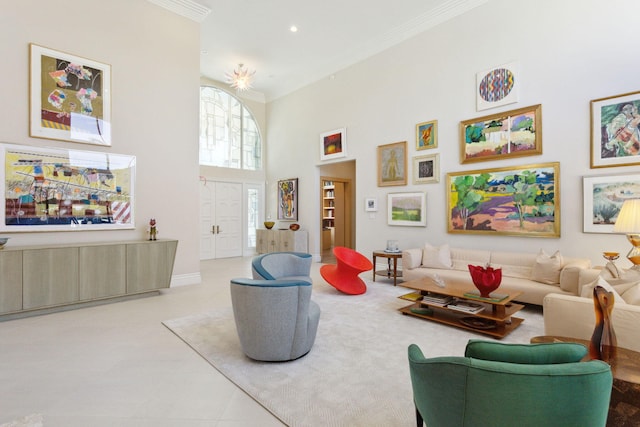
574, 316
518, 269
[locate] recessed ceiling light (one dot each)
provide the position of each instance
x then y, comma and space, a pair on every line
293, 29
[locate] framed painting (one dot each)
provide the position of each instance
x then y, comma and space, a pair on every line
288, 199
69, 97
499, 136
615, 131
408, 209
392, 164
603, 198
333, 144
497, 86
371, 204
427, 135
426, 169
511, 201
54, 189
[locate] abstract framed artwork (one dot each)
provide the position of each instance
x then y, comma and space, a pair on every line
69, 97
514, 133
427, 135
426, 169
408, 209
54, 189
392, 164
603, 198
497, 86
333, 144
510, 201
615, 131
371, 204
288, 199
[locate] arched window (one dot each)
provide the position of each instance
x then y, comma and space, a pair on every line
229, 135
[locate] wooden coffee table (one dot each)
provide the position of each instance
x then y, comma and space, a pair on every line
624, 407
494, 320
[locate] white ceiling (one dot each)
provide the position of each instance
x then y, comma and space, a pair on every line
332, 34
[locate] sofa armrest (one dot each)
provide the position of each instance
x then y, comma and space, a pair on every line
587, 276
411, 258
570, 275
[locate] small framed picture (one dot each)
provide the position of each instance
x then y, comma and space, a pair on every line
603, 198
427, 135
497, 86
615, 131
333, 144
392, 164
426, 169
371, 204
409, 209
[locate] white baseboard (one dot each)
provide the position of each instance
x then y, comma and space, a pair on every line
185, 279
316, 257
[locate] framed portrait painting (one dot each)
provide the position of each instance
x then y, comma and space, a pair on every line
426, 169
615, 131
69, 97
392, 164
288, 199
512, 201
427, 135
603, 198
55, 189
333, 144
514, 133
408, 209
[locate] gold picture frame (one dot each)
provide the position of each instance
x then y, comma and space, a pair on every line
427, 135
514, 133
392, 164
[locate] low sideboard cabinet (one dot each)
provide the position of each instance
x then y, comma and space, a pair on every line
38, 278
281, 241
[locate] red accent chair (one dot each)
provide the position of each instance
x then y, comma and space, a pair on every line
344, 275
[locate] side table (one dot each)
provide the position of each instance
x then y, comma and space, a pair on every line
390, 271
624, 407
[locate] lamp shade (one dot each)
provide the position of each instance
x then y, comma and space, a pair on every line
629, 217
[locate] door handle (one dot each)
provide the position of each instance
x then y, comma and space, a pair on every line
217, 229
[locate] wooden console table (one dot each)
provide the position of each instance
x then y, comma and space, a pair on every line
624, 407
36, 279
496, 314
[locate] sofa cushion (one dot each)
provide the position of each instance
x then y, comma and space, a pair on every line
436, 257
513, 264
632, 295
547, 268
461, 258
587, 290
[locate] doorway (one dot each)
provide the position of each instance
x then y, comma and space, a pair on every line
220, 219
337, 215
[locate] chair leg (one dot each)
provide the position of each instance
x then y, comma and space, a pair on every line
419, 420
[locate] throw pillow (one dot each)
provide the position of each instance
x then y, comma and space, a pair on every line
436, 257
632, 295
587, 290
547, 268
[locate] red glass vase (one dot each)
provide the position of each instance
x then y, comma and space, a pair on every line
486, 279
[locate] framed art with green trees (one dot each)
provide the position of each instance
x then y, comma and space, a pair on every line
511, 201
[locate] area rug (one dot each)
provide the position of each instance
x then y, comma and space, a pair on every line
356, 374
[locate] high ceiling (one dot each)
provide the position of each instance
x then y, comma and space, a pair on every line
332, 34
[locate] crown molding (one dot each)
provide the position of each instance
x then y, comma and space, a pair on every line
187, 8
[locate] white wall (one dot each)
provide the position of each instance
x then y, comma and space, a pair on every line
570, 52
154, 58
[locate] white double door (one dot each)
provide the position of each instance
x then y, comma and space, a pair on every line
220, 219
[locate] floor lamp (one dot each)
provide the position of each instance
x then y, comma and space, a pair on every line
629, 222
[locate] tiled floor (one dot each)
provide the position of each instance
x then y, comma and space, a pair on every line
117, 365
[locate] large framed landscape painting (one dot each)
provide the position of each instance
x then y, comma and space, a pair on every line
511, 201
52, 189
70, 97
514, 133
615, 131
603, 198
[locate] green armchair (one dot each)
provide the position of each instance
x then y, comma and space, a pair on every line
500, 385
